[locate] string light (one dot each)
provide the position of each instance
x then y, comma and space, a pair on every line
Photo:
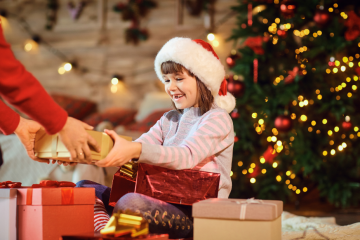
288, 173
253, 165
252, 180
305, 189
273, 138
340, 148
324, 121
251, 170
240, 163
262, 160
274, 165
292, 176
331, 142
244, 171
325, 153
290, 186
332, 152
287, 182
298, 191
278, 178
231, 173
254, 115
344, 145
211, 37
263, 171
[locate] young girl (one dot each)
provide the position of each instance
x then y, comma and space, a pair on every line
197, 135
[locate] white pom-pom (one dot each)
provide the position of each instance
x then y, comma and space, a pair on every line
227, 102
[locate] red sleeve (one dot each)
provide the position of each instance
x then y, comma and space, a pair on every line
9, 123
21, 89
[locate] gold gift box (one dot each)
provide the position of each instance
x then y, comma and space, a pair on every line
50, 146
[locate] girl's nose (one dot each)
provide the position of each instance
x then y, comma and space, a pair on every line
172, 85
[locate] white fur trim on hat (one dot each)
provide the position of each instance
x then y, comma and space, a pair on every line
193, 57
227, 102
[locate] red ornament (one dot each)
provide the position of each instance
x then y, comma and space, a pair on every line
292, 74
321, 17
236, 139
346, 126
283, 123
281, 33
255, 173
353, 26
235, 114
357, 70
236, 88
287, 8
255, 43
269, 154
231, 60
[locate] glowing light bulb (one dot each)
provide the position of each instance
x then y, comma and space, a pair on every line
298, 191
67, 67
252, 180
262, 160
273, 138
288, 173
253, 165
261, 121
263, 171
240, 163
332, 152
325, 153
114, 81
279, 143
292, 176
275, 165
278, 178
211, 37
340, 148
61, 70
113, 88
344, 145
254, 115
305, 189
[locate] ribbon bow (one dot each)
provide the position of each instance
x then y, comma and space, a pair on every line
129, 170
126, 222
245, 203
53, 184
10, 184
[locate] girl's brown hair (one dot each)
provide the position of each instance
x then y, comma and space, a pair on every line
204, 97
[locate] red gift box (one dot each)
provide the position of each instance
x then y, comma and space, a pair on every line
46, 212
122, 183
176, 186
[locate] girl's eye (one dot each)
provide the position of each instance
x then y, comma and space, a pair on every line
167, 80
179, 79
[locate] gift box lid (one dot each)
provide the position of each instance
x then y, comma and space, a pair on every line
56, 196
8, 193
241, 209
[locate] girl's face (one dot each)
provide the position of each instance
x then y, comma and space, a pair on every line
182, 89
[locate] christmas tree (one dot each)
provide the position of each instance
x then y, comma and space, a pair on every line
296, 70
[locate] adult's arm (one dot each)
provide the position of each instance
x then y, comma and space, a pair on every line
22, 90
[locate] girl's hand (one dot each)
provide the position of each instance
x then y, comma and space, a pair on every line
122, 152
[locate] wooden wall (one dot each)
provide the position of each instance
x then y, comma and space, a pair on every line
80, 40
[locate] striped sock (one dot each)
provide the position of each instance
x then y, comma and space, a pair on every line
100, 215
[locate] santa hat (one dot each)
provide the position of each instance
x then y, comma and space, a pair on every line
198, 57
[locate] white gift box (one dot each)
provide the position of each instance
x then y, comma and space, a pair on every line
8, 213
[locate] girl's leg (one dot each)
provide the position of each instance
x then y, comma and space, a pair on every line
162, 217
102, 192
102, 210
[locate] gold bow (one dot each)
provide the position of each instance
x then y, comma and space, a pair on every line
130, 169
126, 222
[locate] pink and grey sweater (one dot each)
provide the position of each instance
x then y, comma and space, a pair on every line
190, 141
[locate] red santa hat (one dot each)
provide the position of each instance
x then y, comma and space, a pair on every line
198, 57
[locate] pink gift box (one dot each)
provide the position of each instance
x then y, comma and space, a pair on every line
49, 213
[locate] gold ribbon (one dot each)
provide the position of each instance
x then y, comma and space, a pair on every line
129, 169
126, 222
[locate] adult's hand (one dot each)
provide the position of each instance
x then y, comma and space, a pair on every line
26, 132
122, 152
77, 140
